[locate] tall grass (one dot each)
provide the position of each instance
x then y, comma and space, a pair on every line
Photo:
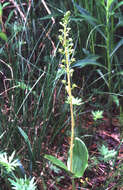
103, 40
30, 98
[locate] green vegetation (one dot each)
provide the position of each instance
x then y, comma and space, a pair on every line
61, 94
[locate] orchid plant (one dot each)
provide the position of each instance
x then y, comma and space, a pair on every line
78, 153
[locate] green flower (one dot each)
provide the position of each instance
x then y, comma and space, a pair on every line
75, 101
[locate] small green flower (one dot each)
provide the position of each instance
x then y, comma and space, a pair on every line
97, 115
63, 81
74, 86
75, 101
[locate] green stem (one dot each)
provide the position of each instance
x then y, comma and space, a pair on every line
69, 94
108, 48
67, 46
71, 109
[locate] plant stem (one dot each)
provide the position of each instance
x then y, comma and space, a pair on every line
71, 108
67, 51
69, 94
108, 48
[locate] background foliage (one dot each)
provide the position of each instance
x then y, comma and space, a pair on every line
33, 112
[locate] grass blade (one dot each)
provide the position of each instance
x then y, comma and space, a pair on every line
24, 135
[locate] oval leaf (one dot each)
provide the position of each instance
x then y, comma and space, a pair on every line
80, 158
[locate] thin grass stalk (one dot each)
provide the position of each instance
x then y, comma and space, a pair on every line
108, 46
112, 30
89, 8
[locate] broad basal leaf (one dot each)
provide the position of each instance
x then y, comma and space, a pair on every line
80, 158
